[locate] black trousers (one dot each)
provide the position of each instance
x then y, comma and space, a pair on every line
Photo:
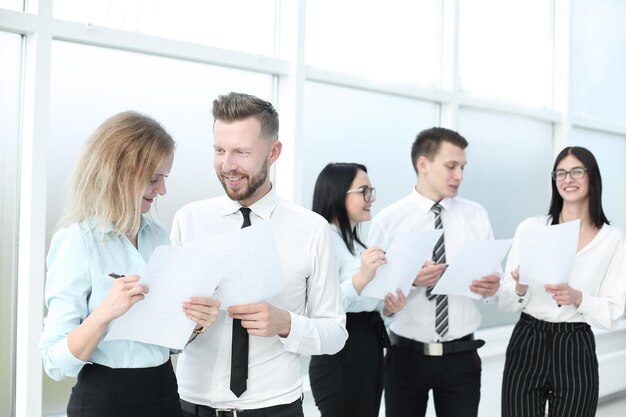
126, 392
552, 363
350, 383
454, 379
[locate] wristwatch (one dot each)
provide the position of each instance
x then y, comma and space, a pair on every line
199, 331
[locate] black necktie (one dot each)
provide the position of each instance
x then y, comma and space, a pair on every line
239, 346
439, 257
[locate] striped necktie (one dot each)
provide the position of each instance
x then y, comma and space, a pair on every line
439, 256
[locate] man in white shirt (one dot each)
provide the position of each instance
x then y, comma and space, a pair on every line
433, 347
305, 318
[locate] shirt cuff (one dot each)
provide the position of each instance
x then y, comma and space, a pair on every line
64, 359
586, 305
348, 290
489, 299
296, 334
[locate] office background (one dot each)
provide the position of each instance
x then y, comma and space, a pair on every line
353, 80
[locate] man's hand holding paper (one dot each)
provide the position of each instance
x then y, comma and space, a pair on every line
486, 286
429, 275
475, 258
262, 319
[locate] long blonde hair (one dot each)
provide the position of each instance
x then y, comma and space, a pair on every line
117, 162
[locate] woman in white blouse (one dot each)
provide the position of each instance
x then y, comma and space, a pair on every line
350, 383
551, 355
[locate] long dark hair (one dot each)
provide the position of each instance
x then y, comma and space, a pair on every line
329, 198
595, 186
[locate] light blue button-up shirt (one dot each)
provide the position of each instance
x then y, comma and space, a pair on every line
80, 258
350, 264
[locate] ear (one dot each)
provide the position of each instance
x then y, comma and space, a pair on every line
422, 164
277, 147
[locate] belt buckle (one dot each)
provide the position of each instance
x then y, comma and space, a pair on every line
227, 412
433, 349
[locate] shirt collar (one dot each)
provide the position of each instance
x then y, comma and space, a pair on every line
106, 227
262, 208
426, 204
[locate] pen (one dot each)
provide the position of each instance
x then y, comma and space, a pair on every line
116, 276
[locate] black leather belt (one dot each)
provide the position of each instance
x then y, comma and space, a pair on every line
205, 411
464, 344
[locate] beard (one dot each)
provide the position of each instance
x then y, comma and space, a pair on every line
255, 182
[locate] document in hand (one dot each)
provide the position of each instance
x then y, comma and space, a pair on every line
475, 259
245, 264
249, 266
173, 274
405, 255
547, 254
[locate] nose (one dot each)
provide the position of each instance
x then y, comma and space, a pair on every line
458, 174
161, 187
228, 163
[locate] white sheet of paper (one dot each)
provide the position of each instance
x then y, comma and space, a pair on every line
475, 259
547, 254
250, 270
173, 274
406, 255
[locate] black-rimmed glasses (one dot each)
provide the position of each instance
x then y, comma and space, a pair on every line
368, 192
574, 173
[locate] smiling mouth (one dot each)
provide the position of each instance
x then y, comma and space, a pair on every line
232, 178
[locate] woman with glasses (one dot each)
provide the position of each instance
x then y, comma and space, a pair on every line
350, 383
551, 356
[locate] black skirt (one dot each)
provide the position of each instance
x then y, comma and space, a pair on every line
125, 392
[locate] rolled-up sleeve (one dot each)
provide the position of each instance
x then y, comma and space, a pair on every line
68, 286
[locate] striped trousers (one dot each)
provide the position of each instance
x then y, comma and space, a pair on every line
553, 363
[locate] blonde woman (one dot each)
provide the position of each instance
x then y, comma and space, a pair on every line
103, 243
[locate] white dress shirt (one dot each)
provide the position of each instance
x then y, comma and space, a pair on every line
350, 264
599, 273
311, 294
462, 219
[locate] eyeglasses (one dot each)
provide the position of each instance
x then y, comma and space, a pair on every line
574, 173
368, 192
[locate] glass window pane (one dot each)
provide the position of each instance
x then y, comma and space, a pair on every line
609, 151
12, 4
178, 94
224, 24
500, 57
347, 125
395, 40
599, 59
508, 172
10, 56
